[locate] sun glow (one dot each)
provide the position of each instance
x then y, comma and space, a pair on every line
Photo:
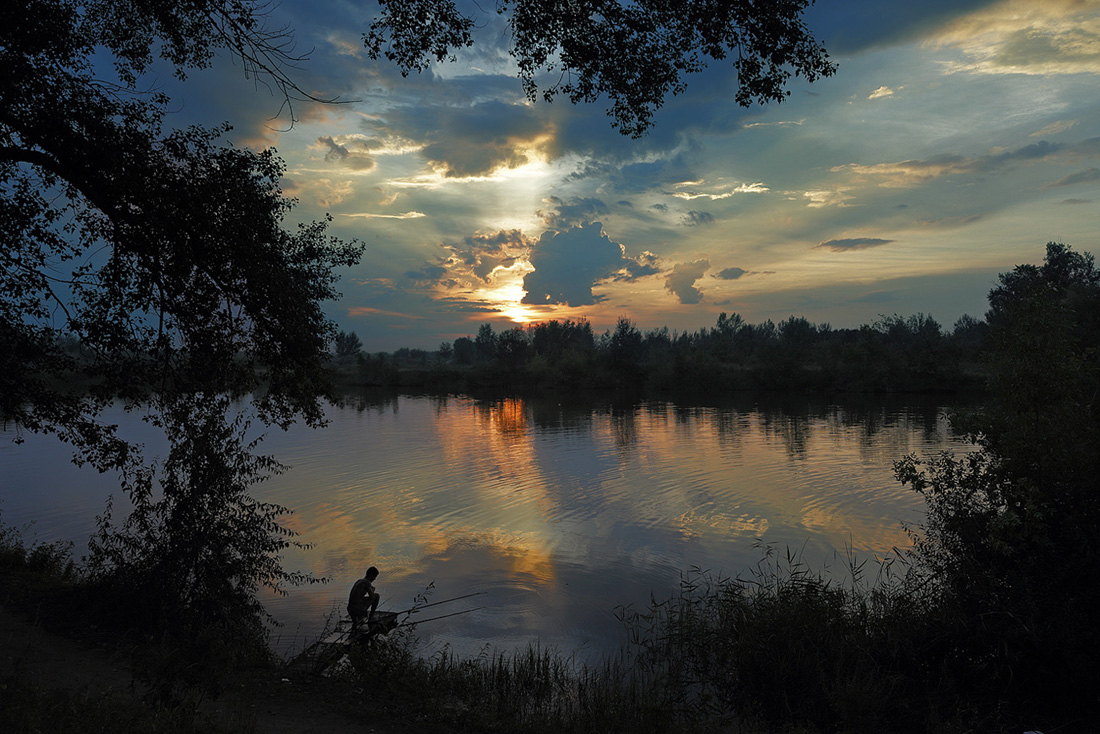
509, 296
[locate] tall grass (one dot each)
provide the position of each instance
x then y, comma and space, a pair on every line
532, 690
784, 648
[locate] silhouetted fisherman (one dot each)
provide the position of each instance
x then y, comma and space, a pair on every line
363, 600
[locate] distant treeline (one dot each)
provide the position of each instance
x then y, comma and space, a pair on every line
894, 354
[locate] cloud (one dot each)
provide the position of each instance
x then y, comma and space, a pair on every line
876, 297
428, 273
731, 273
737, 273
1092, 175
881, 92
696, 218
642, 169
474, 139
638, 267
368, 311
825, 198
777, 123
753, 188
902, 174
1027, 37
681, 281
857, 243
373, 215
345, 46
476, 258
1076, 201
850, 26
568, 264
951, 222
338, 152
330, 193
1054, 128
577, 211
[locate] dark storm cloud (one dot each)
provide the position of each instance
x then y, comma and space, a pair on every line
858, 243
696, 218
1092, 175
681, 281
574, 212
568, 264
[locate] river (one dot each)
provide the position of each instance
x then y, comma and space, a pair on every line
554, 510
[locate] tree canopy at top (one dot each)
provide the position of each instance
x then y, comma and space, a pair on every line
636, 53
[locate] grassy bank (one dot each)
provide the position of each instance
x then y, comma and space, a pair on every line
781, 649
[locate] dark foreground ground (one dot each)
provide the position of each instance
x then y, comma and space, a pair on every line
80, 669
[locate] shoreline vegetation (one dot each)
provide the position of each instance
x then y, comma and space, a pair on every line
986, 623
894, 354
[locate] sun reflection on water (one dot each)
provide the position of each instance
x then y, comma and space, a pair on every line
559, 513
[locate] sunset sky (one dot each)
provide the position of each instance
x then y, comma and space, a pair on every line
955, 140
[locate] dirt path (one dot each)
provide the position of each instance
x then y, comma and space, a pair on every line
276, 706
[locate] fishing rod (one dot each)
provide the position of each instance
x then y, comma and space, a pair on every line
442, 616
413, 610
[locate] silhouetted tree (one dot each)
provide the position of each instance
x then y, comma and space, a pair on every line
465, 350
348, 344
486, 343
1013, 530
512, 347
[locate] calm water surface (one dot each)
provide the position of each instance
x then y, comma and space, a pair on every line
557, 511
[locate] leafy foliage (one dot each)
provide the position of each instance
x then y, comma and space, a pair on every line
634, 53
1012, 540
189, 561
163, 254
